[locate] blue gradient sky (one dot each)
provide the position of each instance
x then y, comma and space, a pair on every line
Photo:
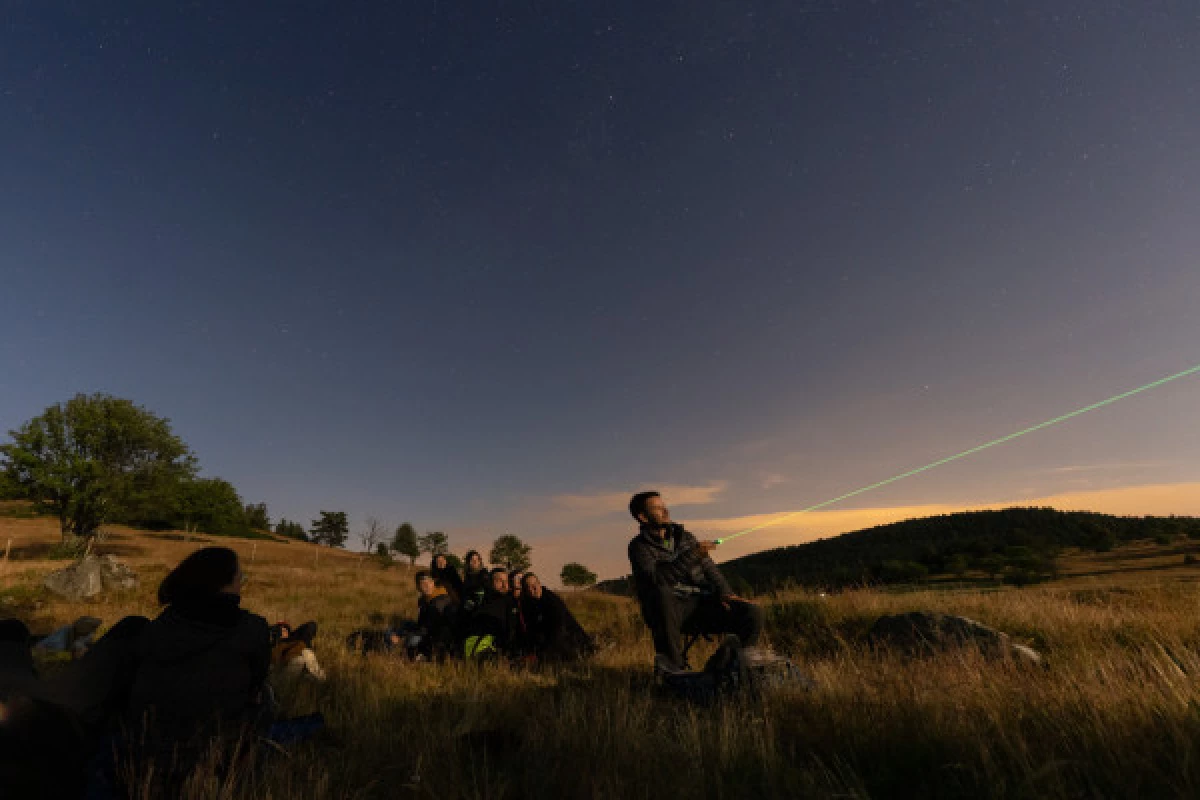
491, 270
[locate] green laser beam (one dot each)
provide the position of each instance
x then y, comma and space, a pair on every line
966, 453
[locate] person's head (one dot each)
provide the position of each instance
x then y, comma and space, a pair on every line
474, 561
532, 585
425, 584
205, 573
440, 562
514, 581
305, 633
285, 630
500, 580
648, 508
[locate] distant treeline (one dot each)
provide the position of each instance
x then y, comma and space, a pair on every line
1017, 545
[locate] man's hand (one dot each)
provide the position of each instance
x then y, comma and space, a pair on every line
706, 547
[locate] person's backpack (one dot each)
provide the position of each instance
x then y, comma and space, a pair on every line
480, 648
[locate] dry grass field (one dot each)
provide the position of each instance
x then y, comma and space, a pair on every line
1115, 714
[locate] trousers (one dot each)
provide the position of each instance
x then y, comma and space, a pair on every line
671, 615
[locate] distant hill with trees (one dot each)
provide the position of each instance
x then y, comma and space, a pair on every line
1015, 545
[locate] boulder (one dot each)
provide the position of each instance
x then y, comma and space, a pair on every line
925, 632
91, 576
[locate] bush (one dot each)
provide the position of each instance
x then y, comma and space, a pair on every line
383, 555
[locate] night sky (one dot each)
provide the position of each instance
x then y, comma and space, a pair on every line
491, 266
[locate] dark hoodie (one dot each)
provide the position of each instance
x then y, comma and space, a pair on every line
475, 586
203, 662
449, 579
495, 618
553, 632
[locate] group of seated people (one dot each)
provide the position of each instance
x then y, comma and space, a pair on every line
159, 691
484, 614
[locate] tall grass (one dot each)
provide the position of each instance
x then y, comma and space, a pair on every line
1115, 714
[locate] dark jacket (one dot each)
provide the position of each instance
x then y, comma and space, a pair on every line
450, 580
437, 618
495, 617
200, 662
475, 586
552, 632
676, 561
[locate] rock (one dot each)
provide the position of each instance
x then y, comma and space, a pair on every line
924, 632
91, 576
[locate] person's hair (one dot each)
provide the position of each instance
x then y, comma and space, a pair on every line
467, 560
433, 561
637, 503
422, 575
513, 573
495, 570
305, 633
204, 573
525, 579
13, 630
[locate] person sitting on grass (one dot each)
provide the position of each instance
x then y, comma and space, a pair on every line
489, 630
294, 656
679, 587
476, 581
552, 632
436, 618
446, 576
204, 660
43, 747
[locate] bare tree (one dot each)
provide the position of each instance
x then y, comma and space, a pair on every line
372, 534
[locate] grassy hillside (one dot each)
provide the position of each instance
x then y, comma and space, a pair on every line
1113, 716
1018, 545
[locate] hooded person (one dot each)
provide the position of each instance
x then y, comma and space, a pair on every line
476, 581
446, 576
204, 660
436, 618
552, 632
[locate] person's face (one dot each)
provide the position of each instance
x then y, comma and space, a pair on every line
534, 587
235, 586
516, 585
657, 513
425, 586
500, 582
476, 562
439, 562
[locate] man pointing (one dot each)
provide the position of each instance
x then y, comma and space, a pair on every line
679, 586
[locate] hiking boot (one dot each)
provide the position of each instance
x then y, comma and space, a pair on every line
663, 668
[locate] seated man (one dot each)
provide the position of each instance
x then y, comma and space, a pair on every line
679, 586
436, 613
552, 632
492, 629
